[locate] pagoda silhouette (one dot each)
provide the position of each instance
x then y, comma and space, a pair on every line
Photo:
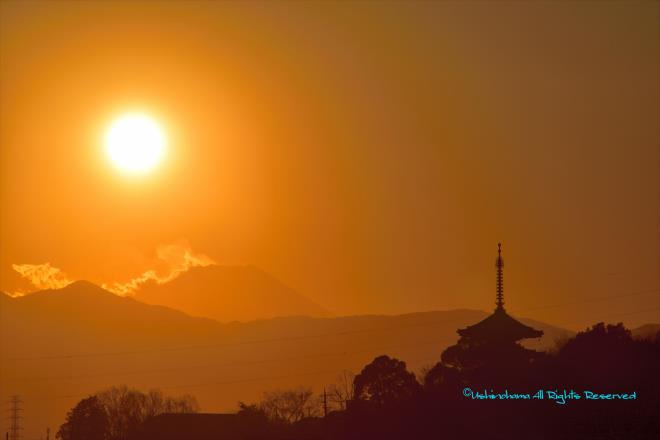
499, 326
489, 350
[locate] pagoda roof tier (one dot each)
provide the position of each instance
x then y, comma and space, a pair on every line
501, 327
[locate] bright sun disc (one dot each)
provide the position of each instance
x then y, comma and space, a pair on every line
135, 143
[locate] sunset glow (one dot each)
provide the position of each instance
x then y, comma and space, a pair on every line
135, 143
329, 220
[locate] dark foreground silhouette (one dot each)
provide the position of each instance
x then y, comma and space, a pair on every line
386, 401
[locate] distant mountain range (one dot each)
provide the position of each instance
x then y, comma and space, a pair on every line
229, 293
58, 346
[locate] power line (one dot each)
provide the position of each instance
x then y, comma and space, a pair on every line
240, 381
256, 362
589, 300
267, 378
228, 364
303, 337
612, 316
652, 309
259, 379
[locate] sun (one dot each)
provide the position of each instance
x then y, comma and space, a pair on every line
135, 143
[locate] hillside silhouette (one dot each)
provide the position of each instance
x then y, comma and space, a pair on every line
608, 382
229, 293
58, 345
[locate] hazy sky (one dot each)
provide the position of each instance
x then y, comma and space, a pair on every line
370, 155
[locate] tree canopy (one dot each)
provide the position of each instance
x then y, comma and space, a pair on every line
385, 381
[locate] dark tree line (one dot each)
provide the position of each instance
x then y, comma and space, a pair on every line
386, 401
604, 359
118, 412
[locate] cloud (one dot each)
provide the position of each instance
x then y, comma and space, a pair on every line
171, 261
42, 276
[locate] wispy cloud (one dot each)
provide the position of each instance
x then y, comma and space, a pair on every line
172, 260
42, 276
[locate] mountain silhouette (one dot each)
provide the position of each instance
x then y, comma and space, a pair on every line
229, 293
58, 346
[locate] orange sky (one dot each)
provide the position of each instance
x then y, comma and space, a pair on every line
369, 155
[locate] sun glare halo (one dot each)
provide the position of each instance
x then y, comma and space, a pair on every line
135, 143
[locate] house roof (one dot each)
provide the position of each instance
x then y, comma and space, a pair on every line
197, 427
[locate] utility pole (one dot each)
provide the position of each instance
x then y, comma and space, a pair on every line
15, 418
325, 403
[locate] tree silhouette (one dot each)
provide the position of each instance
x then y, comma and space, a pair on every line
253, 414
483, 362
127, 408
86, 421
341, 392
118, 412
389, 403
385, 381
612, 354
441, 376
290, 406
600, 340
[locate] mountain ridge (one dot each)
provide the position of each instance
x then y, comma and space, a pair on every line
55, 348
61, 324
229, 293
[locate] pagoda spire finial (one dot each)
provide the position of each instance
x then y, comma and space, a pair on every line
499, 264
